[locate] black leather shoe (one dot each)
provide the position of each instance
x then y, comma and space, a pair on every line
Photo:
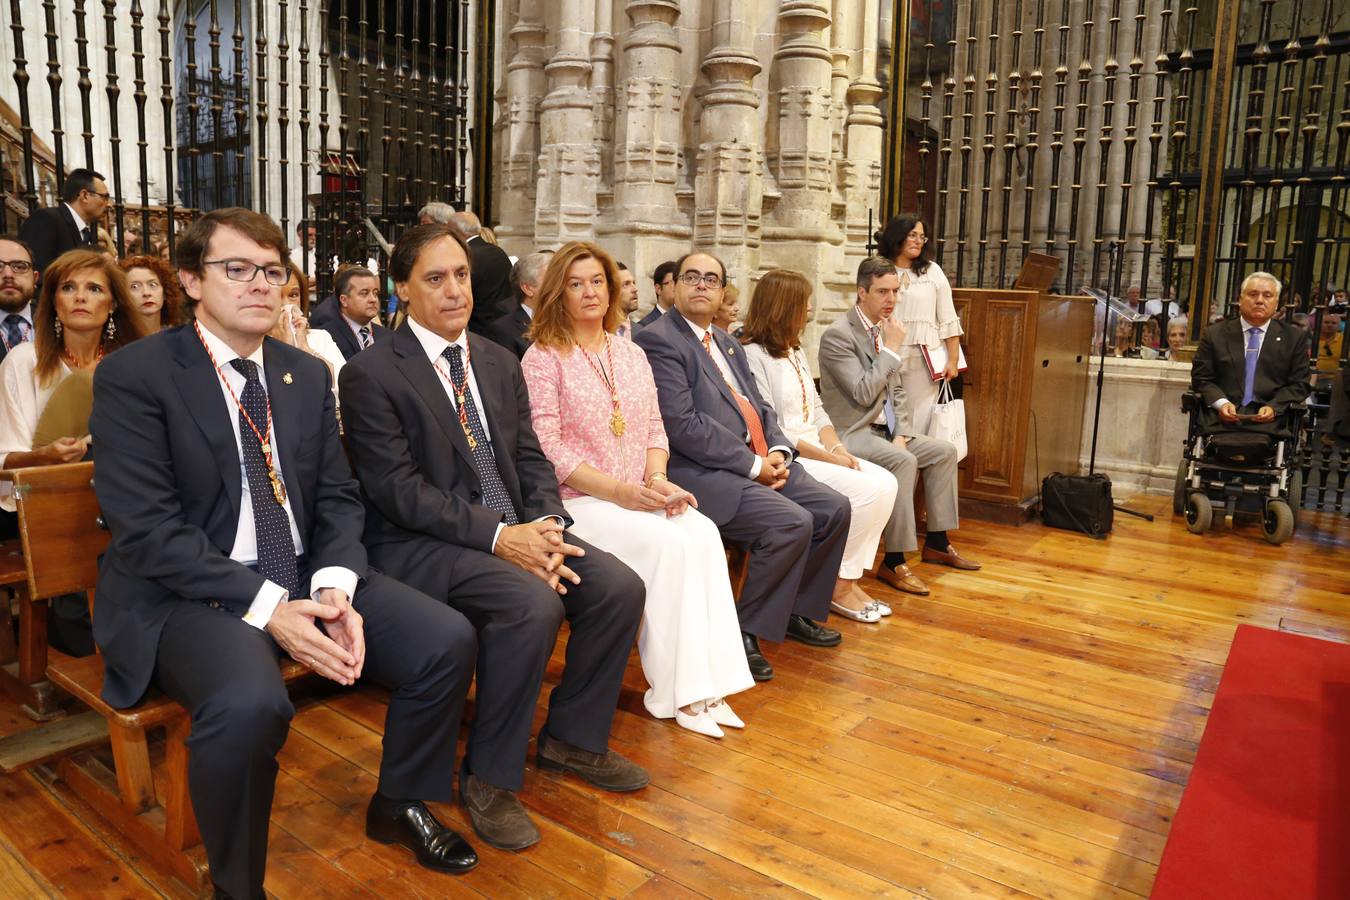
800, 628
760, 670
413, 826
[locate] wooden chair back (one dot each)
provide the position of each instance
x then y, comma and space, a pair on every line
60, 527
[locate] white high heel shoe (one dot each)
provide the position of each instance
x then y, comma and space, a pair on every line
721, 713
700, 722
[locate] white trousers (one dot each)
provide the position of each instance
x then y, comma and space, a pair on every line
921, 391
871, 492
690, 639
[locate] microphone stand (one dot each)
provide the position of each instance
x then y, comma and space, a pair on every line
1113, 290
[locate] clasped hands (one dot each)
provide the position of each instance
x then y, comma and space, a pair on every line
773, 470
1228, 413
659, 494
539, 548
337, 649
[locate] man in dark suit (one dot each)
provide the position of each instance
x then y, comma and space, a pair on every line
236, 539
491, 273
463, 505
509, 330
18, 283
52, 231
1249, 370
664, 281
358, 325
726, 449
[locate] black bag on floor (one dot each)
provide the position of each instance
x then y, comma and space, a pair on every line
1078, 503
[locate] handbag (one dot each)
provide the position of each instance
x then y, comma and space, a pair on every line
949, 420
1078, 503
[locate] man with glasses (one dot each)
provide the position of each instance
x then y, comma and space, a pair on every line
18, 283
51, 232
664, 279
236, 541
726, 448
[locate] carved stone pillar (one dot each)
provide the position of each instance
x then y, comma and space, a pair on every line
801, 162
525, 84
864, 135
602, 93
647, 116
729, 182
569, 163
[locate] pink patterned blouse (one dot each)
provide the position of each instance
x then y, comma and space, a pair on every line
572, 410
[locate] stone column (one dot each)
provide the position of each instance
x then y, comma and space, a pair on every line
863, 137
729, 182
525, 84
602, 93
801, 161
569, 163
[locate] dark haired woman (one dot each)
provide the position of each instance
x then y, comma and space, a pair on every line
156, 297
926, 311
772, 334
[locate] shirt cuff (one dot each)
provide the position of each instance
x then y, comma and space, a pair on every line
334, 577
787, 452
754, 469
265, 602
1218, 404
500, 525
894, 355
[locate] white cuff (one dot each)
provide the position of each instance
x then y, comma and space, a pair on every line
786, 451
265, 603
754, 469
1220, 403
500, 525
333, 577
894, 355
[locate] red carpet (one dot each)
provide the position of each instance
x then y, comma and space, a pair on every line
1266, 813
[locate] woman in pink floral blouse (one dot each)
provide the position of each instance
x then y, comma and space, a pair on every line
594, 407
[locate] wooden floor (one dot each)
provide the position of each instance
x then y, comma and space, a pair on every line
1027, 730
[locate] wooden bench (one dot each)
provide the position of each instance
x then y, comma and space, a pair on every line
22, 667
116, 778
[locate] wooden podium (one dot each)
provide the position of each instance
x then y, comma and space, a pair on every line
1025, 393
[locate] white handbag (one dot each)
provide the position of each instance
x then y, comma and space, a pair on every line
949, 420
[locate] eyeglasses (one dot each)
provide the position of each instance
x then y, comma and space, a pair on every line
101, 196
245, 271
17, 266
692, 278
915, 236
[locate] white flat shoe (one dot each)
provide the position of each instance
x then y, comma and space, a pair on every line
721, 713
882, 607
702, 723
868, 613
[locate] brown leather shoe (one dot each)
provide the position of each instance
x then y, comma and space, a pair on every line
607, 770
902, 579
496, 814
950, 558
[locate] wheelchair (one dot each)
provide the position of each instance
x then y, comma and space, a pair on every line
1240, 471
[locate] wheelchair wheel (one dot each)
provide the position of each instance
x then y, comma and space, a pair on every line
1179, 492
1199, 513
1278, 522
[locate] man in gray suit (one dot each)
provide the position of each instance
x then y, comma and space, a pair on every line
860, 387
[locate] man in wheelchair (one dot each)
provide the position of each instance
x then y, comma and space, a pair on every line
1249, 378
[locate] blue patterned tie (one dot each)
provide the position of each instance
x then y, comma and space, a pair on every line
365, 336
495, 496
271, 525
16, 330
1249, 376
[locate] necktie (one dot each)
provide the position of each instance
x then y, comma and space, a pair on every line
271, 525
88, 235
1249, 376
365, 336
16, 330
752, 421
495, 496
889, 405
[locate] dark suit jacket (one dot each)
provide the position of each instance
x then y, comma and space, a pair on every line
509, 331
708, 452
50, 232
652, 315
416, 469
1282, 369
346, 340
325, 312
490, 278
168, 484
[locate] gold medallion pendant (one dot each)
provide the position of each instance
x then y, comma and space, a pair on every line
617, 424
278, 487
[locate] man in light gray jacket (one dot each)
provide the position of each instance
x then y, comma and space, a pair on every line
860, 388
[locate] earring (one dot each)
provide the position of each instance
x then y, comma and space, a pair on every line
111, 331
56, 326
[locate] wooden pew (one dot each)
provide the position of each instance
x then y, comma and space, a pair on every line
117, 777
23, 663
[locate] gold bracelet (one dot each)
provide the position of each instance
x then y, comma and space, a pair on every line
835, 447
655, 477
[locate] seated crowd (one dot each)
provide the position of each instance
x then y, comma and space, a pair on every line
424, 503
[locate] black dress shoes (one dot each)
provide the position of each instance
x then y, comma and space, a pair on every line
800, 628
413, 826
760, 670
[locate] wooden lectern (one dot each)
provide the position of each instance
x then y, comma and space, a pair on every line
1025, 393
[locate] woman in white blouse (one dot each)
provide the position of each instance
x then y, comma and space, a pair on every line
779, 311
926, 311
293, 326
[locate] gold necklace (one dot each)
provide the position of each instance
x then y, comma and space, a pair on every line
617, 423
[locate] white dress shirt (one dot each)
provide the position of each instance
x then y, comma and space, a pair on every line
22, 400
81, 224
356, 330
1260, 342
245, 549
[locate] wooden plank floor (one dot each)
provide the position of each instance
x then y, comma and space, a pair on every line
1026, 731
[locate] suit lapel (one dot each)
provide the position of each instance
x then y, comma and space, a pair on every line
705, 360
430, 386
199, 385
286, 403
490, 380
861, 334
